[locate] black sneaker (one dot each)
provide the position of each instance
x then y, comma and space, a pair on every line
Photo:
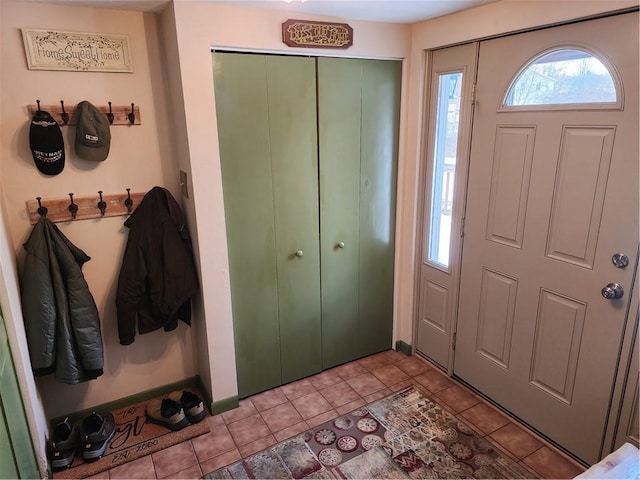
97, 430
166, 412
63, 444
193, 406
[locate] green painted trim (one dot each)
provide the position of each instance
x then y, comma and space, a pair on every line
224, 405
403, 347
76, 417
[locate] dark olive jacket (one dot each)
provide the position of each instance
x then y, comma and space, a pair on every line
60, 315
158, 276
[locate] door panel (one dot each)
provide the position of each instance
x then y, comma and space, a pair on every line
451, 75
17, 457
578, 197
552, 195
381, 81
271, 209
628, 429
243, 134
358, 111
510, 184
339, 148
291, 90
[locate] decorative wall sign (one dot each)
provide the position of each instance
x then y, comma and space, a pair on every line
75, 51
304, 33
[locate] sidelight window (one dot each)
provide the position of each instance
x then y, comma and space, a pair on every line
563, 77
444, 163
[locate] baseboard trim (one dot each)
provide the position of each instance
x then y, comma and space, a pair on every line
76, 417
224, 405
403, 347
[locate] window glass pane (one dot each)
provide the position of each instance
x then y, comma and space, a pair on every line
561, 77
444, 163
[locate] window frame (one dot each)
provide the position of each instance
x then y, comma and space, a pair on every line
429, 233
613, 73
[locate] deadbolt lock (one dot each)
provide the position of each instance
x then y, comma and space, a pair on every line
620, 260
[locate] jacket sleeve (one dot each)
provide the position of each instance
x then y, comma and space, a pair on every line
38, 309
131, 287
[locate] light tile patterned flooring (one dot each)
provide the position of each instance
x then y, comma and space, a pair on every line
272, 416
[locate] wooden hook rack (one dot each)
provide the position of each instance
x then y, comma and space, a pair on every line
120, 113
58, 208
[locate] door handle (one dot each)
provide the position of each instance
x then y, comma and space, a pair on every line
341, 245
613, 291
299, 253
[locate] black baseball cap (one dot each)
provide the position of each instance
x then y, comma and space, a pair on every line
46, 143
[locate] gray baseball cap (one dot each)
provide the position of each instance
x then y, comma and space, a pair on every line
93, 137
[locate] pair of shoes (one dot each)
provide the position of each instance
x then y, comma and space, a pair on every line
176, 411
95, 432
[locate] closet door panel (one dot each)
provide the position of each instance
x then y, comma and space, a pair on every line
381, 81
243, 130
294, 152
339, 92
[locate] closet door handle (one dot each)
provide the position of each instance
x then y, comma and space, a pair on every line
299, 253
341, 245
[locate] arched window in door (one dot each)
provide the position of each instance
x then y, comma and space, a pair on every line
564, 78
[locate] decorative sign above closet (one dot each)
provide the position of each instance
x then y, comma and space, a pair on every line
304, 33
75, 51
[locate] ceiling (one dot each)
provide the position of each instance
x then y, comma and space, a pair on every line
391, 11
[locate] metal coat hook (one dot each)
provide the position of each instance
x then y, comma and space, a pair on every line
42, 211
132, 116
128, 202
65, 115
73, 208
102, 205
110, 116
38, 102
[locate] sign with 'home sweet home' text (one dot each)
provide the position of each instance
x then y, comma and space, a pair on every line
75, 51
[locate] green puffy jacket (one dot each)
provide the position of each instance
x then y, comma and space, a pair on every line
60, 315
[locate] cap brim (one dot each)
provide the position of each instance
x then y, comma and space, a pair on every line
93, 154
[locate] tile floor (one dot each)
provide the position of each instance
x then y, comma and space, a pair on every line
269, 417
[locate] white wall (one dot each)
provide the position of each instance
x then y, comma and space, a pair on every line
198, 27
477, 23
140, 157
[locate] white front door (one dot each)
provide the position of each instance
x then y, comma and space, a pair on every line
552, 198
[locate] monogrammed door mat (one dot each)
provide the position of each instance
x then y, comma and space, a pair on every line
134, 438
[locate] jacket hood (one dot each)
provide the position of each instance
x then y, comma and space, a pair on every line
157, 205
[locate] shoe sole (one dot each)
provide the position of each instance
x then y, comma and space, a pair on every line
62, 462
172, 426
93, 454
197, 417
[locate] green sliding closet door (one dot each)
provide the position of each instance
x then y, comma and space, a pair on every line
358, 111
17, 458
294, 170
381, 82
271, 209
339, 114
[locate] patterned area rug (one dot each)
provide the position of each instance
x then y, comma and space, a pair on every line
405, 435
134, 438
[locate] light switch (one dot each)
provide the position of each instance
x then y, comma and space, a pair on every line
183, 183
